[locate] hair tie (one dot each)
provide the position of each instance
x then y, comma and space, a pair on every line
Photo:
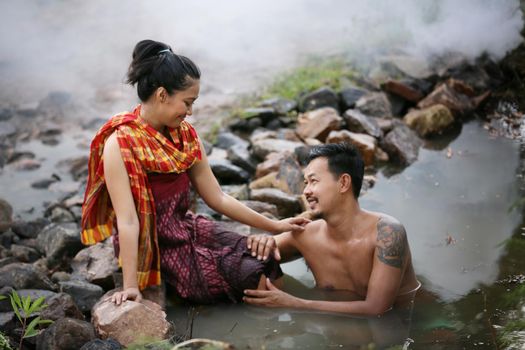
162, 51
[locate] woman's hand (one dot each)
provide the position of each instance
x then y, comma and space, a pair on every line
292, 224
127, 294
262, 245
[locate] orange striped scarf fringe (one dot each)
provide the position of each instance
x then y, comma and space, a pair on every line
143, 150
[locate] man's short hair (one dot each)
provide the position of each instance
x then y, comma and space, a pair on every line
343, 158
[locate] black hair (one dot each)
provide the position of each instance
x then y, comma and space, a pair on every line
343, 158
155, 65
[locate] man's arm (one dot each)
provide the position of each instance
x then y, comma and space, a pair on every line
390, 258
283, 246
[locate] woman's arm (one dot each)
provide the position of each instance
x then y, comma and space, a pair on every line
117, 183
208, 188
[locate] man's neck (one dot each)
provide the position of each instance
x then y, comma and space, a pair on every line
342, 224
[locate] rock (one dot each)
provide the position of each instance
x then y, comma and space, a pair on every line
131, 321
78, 167
43, 184
270, 164
99, 344
366, 144
431, 120
60, 276
246, 125
61, 305
241, 157
24, 254
261, 148
239, 192
262, 207
375, 104
96, 264
287, 134
385, 124
26, 164
84, 294
6, 213
226, 140
350, 95
8, 322
66, 334
287, 205
228, 173
24, 276
58, 214
29, 229
203, 344
49, 129
322, 97
7, 129
59, 242
444, 94
288, 178
262, 134
473, 75
7, 238
290, 175
360, 123
218, 153
411, 66
263, 114
402, 144
403, 89
5, 113
318, 123
280, 105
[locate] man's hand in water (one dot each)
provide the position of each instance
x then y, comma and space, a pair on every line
262, 245
127, 294
273, 297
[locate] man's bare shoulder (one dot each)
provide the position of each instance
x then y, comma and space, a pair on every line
310, 230
391, 243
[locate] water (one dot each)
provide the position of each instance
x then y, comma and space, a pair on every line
456, 212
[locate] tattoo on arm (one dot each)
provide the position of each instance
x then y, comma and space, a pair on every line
391, 242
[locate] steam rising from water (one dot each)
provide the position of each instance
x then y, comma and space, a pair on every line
81, 46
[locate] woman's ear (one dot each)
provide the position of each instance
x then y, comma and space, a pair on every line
345, 183
161, 94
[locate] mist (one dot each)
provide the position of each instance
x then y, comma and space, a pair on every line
84, 47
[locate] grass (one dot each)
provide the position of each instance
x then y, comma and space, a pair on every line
315, 74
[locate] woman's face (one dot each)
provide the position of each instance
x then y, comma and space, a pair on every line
177, 106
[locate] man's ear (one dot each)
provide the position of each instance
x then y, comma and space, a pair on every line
345, 183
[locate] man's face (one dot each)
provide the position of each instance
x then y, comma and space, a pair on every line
321, 187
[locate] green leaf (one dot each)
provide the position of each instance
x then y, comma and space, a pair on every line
26, 303
15, 308
45, 321
30, 330
35, 306
2, 297
16, 297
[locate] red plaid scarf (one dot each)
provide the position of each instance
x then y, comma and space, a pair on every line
143, 149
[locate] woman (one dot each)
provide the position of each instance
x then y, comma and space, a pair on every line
140, 169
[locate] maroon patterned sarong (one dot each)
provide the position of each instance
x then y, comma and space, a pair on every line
204, 262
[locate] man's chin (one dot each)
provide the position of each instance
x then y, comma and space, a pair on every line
316, 214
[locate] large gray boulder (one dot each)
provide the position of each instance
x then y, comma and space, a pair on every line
24, 276
59, 242
66, 334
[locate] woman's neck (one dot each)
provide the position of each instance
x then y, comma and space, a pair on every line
147, 113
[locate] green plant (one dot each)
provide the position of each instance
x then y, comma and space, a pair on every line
24, 308
4, 343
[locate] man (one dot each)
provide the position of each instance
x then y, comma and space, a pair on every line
347, 248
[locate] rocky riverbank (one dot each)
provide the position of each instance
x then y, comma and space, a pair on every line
257, 157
